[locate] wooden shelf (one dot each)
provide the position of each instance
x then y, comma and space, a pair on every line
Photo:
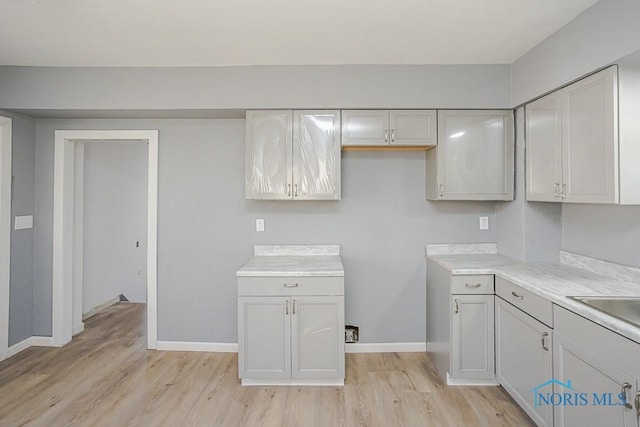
387, 147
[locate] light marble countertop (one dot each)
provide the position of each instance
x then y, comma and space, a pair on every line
557, 281
293, 261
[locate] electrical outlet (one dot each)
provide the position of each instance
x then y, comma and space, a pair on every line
484, 223
260, 224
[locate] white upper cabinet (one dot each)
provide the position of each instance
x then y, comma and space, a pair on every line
544, 159
268, 155
573, 148
293, 155
474, 156
389, 127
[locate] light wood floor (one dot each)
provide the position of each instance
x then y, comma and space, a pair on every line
105, 377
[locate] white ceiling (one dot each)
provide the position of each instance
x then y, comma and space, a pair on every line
269, 32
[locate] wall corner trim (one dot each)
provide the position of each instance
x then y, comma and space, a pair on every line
34, 341
213, 347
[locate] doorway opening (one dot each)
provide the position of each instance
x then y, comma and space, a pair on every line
68, 226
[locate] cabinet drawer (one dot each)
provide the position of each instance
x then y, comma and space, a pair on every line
472, 284
274, 286
527, 301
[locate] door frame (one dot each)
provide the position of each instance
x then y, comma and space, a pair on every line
67, 227
5, 231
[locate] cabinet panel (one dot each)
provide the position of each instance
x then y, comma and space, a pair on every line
318, 337
473, 158
472, 333
591, 375
268, 155
543, 148
264, 329
412, 127
523, 358
472, 284
590, 141
365, 127
316, 154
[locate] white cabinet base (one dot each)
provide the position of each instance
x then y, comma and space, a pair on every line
293, 381
471, 382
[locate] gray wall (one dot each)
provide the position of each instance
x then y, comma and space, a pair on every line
23, 170
597, 37
369, 86
607, 232
207, 229
527, 231
114, 218
601, 35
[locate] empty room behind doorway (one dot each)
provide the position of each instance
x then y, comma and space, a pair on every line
115, 222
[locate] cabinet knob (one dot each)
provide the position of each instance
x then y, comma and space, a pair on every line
545, 347
627, 386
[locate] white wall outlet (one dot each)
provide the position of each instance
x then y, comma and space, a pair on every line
23, 222
260, 224
484, 223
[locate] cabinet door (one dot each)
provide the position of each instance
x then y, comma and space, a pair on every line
317, 337
365, 127
475, 155
316, 155
268, 155
472, 332
591, 375
412, 127
590, 139
523, 358
544, 148
264, 337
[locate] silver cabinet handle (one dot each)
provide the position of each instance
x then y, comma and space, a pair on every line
473, 285
290, 285
457, 306
289, 190
638, 404
556, 190
544, 345
393, 135
516, 295
294, 306
295, 194
441, 190
563, 192
286, 307
626, 386
386, 135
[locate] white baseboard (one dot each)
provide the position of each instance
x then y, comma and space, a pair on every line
213, 347
34, 341
394, 347
99, 308
78, 329
387, 347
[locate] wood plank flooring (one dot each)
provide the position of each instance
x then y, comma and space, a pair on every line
106, 377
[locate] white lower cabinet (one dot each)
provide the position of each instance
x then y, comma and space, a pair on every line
472, 346
292, 339
599, 371
523, 358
